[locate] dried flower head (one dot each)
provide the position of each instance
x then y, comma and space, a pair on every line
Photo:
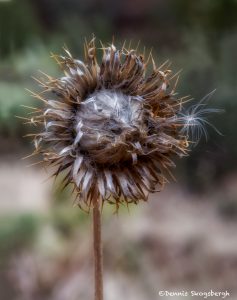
111, 128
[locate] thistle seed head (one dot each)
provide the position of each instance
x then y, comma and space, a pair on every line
110, 128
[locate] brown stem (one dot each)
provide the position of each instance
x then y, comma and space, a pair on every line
98, 252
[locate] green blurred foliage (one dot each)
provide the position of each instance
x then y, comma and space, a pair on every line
16, 233
17, 25
67, 221
213, 17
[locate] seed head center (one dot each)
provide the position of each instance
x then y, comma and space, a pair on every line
108, 119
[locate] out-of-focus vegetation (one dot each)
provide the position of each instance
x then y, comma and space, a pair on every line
199, 37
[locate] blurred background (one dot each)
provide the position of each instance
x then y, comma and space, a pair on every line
185, 237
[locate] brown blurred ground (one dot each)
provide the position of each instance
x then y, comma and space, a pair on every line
177, 241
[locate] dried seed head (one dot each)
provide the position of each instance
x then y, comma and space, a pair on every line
107, 123
110, 128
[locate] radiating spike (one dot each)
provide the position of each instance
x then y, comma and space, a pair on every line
76, 166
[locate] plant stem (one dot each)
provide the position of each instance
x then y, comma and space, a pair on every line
97, 252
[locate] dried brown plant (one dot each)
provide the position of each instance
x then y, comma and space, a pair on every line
112, 128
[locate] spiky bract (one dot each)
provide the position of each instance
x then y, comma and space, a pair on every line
111, 128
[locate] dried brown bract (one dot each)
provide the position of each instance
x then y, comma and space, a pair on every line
111, 128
